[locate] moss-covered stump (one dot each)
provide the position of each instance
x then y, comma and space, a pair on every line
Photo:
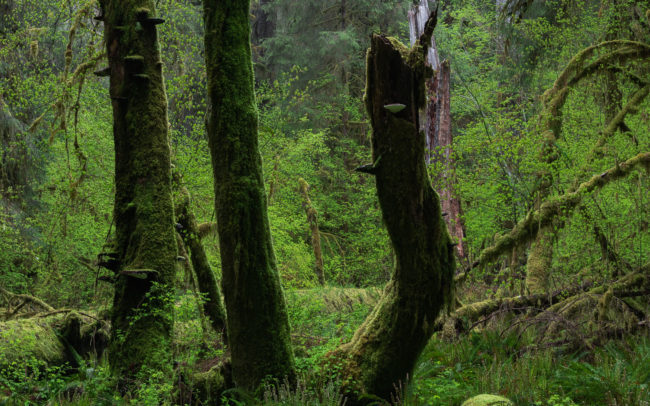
257, 320
488, 400
384, 349
51, 340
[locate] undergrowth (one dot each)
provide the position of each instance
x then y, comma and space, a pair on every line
494, 360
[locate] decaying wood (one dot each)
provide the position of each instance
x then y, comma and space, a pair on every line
386, 346
435, 120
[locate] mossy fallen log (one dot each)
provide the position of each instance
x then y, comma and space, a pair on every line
581, 316
51, 339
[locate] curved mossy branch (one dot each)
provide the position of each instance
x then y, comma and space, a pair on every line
142, 314
539, 262
384, 349
206, 281
541, 255
555, 98
527, 229
258, 325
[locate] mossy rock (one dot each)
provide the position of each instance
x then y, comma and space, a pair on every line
488, 400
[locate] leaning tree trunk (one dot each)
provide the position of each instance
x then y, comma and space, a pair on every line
312, 219
384, 349
206, 281
435, 121
145, 249
258, 325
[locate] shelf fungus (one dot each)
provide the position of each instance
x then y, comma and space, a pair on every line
103, 72
140, 273
394, 107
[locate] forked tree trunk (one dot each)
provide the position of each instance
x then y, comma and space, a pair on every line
142, 315
312, 219
384, 349
258, 326
435, 121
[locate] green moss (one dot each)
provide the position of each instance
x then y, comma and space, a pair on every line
487, 400
258, 326
209, 385
206, 280
384, 349
144, 218
35, 337
538, 266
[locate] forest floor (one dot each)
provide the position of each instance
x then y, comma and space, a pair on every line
493, 357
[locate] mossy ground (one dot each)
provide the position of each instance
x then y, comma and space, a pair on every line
491, 360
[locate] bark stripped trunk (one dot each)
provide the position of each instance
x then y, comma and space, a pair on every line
145, 256
435, 121
384, 349
258, 325
312, 219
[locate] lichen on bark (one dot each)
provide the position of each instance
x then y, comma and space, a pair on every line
258, 325
142, 314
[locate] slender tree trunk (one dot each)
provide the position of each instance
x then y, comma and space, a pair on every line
142, 314
258, 326
312, 219
384, 349
206, 281
435, 121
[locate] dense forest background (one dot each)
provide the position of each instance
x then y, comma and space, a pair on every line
57, 189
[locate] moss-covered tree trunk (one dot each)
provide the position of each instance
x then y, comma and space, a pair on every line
206, 281
258, 326
384, 349
312, 219
145, 249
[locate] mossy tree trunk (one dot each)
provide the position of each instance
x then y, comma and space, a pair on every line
258, 326
206, 281
312, 219
384, 349
145, 249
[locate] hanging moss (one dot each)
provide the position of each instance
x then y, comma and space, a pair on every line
142, 311
540, 259
258, 326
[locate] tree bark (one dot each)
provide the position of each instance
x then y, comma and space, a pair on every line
145, 248
384, 349
258, 326
312, 219
435, 121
